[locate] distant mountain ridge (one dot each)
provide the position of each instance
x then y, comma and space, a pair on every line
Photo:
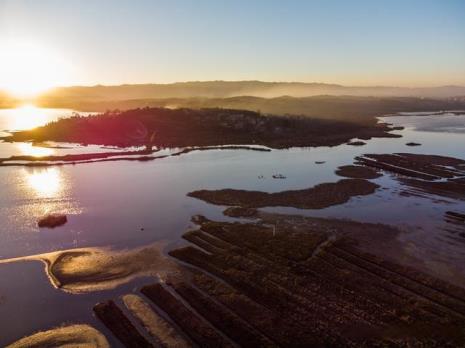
227, 89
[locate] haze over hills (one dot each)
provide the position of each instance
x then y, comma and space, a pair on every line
359, 109
318, 100
227, 89
6, 100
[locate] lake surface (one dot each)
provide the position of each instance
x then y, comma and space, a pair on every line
129, 204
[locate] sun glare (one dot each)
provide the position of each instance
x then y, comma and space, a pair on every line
28, 149
28, 69
44, 182
26, 117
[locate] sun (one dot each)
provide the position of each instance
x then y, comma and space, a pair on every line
27, 69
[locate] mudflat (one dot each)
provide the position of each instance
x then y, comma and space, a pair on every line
293, 281
358, 172
317, 197
92, 269
432, 174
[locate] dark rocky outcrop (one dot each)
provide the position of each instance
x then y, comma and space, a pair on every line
52, 220
356, 143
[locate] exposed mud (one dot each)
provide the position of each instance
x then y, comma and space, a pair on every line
317, 197
358, 172
448, 188
455, 216
323, 282
455, 227
438, 175
293, 281
198, 329
356, 143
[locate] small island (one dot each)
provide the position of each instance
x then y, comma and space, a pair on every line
413, 144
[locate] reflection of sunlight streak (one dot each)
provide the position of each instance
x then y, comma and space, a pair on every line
27, 117
46, 182
30, 150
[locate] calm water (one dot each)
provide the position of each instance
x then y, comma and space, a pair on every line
108, 204
28, 117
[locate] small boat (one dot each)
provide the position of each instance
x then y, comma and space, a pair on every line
278, 176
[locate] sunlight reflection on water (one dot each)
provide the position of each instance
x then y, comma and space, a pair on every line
132, 204
45, 183
29, 149
27, 117
30, 116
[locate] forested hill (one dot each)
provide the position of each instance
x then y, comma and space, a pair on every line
345, 108
199, 127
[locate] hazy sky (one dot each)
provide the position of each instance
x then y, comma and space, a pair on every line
350, 42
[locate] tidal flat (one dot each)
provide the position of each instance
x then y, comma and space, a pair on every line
380, 265
91, 269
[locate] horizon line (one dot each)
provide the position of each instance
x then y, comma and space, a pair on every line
260, 81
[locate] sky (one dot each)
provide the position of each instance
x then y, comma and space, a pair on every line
370, 42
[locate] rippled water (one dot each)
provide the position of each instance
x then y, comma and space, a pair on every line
127, 204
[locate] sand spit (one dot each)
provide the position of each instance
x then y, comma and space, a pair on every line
75, 157
92, 269
317, 197
113, 317
75, 336
159, 328
139, 156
